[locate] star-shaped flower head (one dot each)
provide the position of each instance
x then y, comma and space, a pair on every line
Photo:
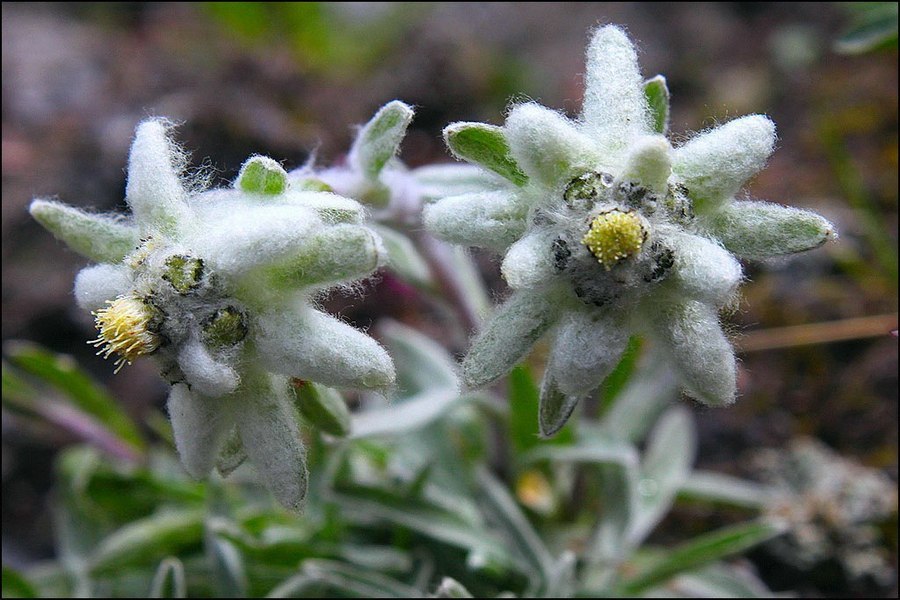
609, 231
218, 286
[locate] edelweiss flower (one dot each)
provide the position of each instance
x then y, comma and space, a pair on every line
216, 286
608, 231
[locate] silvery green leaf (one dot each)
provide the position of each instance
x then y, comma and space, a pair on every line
143, 541
563, 579
226, 565
721, 581
422, 364
450, 588
484, 145
667, 463
346, 580
724, 489
698, 552
442, 180
101, 238
414, 413
169, 580
639, 404
403, 257
323, 407
759, 230
377, 142
657, 93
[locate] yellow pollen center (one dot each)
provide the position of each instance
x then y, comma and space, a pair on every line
123, 330
614, 236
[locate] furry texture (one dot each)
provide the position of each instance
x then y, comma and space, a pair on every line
216, 290
633, 234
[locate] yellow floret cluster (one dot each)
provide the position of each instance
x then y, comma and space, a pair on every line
614, 236
124, 330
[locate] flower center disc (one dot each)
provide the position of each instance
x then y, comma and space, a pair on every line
614, 236
123, 327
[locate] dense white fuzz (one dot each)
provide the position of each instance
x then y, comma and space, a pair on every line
271, 437
154, 190
379, 139
649, 163
529, 262
253, 236
704, 270
206, 376
714, 165
615, 108
631, 232
494, 219
546, 145
98, 237
331, 255
690, 334
760, 230
588, 346
441, 181
199, 425
311, 345
205, 283
508, 336
96, 284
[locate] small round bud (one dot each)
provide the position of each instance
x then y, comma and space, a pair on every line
183, 272
226, 327
262, 175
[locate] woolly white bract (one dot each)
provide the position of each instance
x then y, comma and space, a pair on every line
609, 231
217, 286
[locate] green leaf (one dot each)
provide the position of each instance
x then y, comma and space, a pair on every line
62, 372
484, 145
639, 403
516, 528
616, 381
347, 580
380, 138
227, 570
874, 26
144, 541
451, 588
667, 463
724, 489
15, 585
101, 238
698, 552
169, 580
403, 257
657, 93
323, 407
523, 413
721, 581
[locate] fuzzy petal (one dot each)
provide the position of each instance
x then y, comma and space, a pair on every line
311, 345
99, 283
759, 230
714, 165
705, 270
649, 163
251, 236
508, 336
331, 255
443, 180
589, 344
271, 437
546, 145
199, 425
379, 139
615, 107
485, 219
529, 262
154, 190
331, 208
690, 334
206, 376
99, 237
484, 145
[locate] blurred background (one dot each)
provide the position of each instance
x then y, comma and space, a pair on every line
290, 80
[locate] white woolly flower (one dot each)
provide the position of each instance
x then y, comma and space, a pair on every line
609, 231
217, 287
